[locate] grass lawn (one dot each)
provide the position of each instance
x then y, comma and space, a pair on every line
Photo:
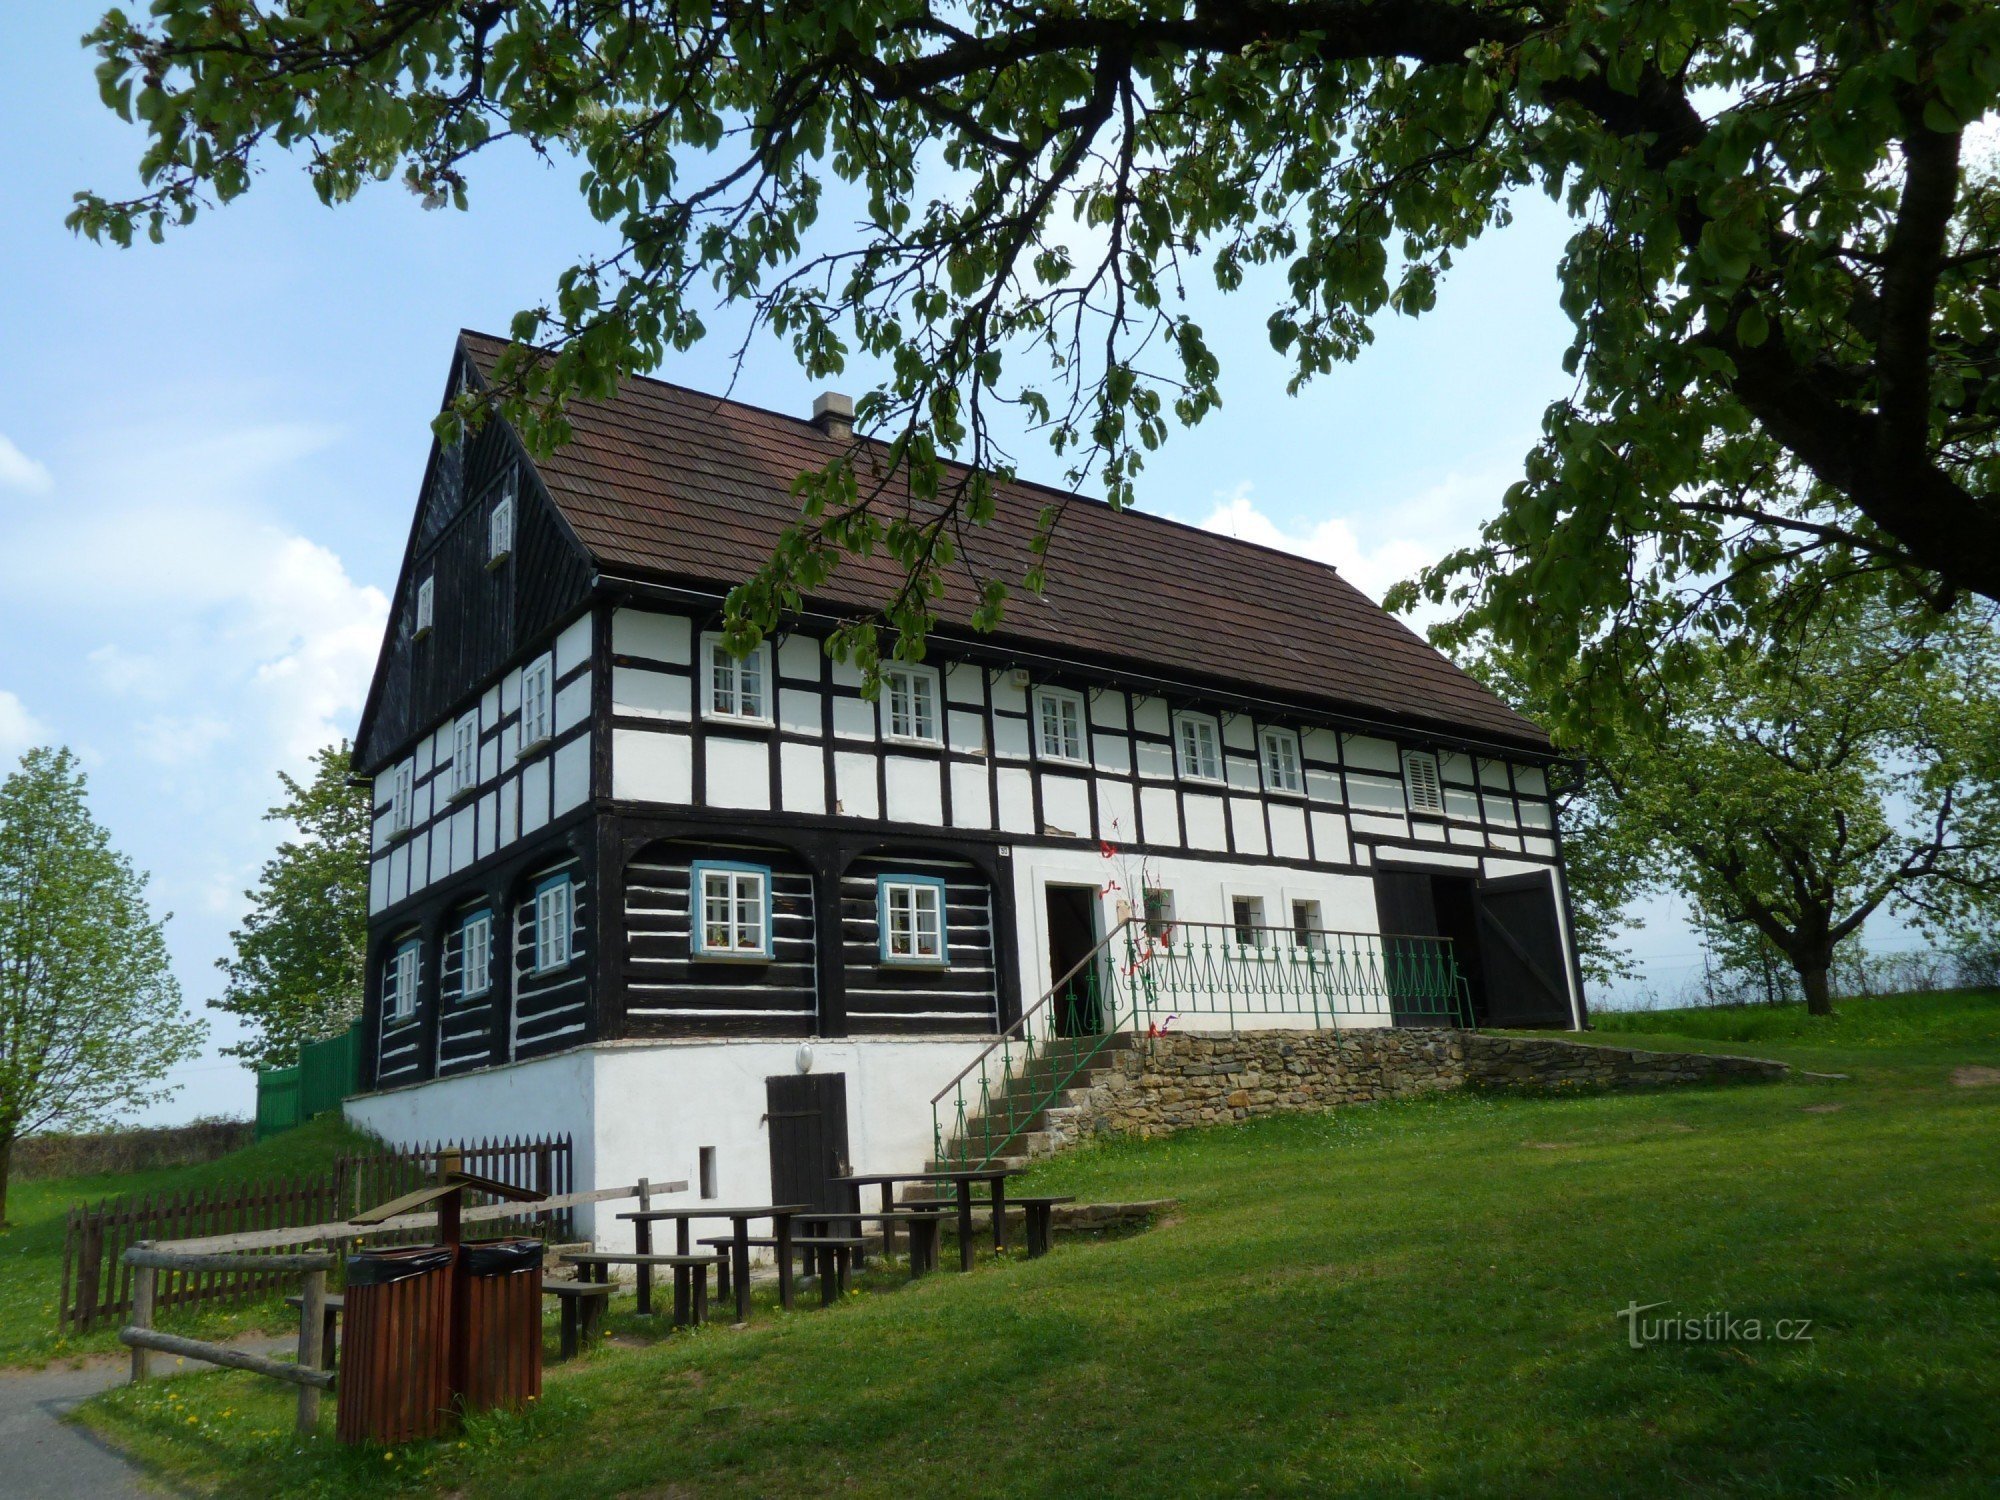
31, 1248
1411, 1298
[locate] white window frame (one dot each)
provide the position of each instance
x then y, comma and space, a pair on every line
538, 703
1195, 770
555, 924
1423, 785
1259, 921
747, 939
403, 965
908, 724
722, 670
909, 897
1273, 745
465, 753
402, 798
426, 606
1061, 699
500, 521
475, 938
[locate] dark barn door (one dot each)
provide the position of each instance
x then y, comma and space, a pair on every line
1521, 951
1406, 907
808, 1124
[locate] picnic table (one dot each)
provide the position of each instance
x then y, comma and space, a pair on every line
780, 1215
962, 1183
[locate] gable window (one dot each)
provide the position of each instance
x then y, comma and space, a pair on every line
1307, 930
555, 912
1246, 918
737, 687
537, 721
399, 982
426, 606
500, 524
910, 912
1420, 782
1198, 745
465, 754
476, 955
1282, 769
910, 698
402, 794
732, 910
1059, 723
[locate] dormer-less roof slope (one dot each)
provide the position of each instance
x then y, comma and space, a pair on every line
670, 485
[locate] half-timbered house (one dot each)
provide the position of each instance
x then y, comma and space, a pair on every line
628, 884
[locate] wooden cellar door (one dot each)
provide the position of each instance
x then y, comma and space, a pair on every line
807, 1117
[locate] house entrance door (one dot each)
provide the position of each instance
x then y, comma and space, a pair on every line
1072, 912
808, 1123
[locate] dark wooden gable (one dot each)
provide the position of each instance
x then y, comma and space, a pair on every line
484, 617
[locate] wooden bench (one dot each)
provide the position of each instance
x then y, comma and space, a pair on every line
583, 1304
1040, 1216
690, 1277
925, 1229
329, 1327
836, 1261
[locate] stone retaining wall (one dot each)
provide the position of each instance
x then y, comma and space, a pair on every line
1163, 1084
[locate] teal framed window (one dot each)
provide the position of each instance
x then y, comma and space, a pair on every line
910, 911
731, 909
555, 923
399, 981
475, 955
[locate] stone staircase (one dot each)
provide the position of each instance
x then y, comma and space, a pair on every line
1034, 1112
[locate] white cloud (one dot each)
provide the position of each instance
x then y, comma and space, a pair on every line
19, 730
20, 472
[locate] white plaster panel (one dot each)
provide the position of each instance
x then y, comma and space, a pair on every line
1461, 803
572, 703
799, 658
1499, 809
1008, 694
1455, 768
1288, 831
1395, 828
961, 683
399, 873
1320, 744
421, 761
1238, 733
1372, 754
738, 772
854, 784
1107, 709
573, 645
464, 837
1322, 786
915, 790
534, 794
489, 760
1240, 771
378, 885
1149, 716
489, 824
510, 809
510, 692
1111, 752
1373, 794
1066, 804
651, 766
1493, 774
423, 848
1117, 817
1531, 781
802, 770
650, 695
1534, 815
967, 731
570, 786
641, 632
970, 799
1010, 738
1544, 847
1329, 834
1162, 814
799, 711
1428, 859
1205, 827
1017, 799
1155, 761
845, 673
1246, 821
854, 718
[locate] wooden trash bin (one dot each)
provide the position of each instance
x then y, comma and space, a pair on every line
498, 1344
395, 1361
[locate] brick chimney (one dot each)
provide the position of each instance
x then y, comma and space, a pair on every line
833, 414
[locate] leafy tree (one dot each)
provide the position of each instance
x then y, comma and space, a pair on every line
90, 1014
1784, 279
1794, 789
298, 970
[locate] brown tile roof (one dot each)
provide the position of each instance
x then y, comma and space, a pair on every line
668, 484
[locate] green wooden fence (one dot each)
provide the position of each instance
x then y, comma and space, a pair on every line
326, 1073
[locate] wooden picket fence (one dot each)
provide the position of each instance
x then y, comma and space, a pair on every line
97, 1284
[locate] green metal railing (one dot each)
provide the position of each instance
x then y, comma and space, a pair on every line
1146, 978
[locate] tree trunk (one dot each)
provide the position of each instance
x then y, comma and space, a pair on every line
6, 1165
1819, 998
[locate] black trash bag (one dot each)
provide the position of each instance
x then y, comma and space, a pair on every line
502, 1257
380, 1267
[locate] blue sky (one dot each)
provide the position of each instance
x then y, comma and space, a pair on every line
209, 451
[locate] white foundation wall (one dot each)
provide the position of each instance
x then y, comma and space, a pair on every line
647, 1109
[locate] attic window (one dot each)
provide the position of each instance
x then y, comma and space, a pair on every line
500, 525
1420, 782
1198, 742
426, 606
